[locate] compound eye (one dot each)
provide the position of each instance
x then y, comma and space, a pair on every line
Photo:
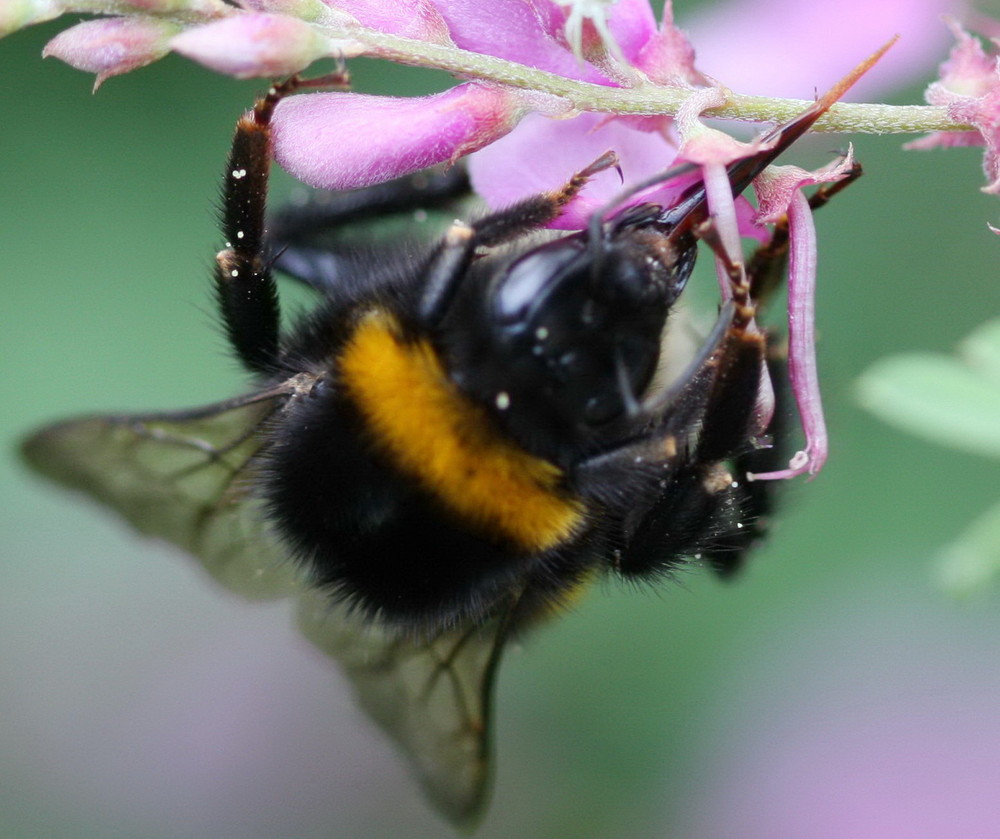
531, 279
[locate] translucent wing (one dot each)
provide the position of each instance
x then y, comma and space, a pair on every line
181, 477
433, 698
187, 478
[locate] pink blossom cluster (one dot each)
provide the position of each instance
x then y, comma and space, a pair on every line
395, 136
969, 87
520, 141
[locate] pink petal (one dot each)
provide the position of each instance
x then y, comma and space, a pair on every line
632, 24
111, 46
968, 72
777, 186
516, 30
946, 140
802, 368
792, 48
667, 57
984, 114
250, 44
347, 140
541, 153
970, 88
417, 19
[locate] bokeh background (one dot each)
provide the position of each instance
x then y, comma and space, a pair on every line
830, 691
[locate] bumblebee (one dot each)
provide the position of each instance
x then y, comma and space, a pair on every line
457, 439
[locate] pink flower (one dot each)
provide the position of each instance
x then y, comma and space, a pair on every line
254, 44
344, 140
547, 152
522, 142
969, 87
526, 32
111, 46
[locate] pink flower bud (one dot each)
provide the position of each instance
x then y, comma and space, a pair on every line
252, 44
346, 140
111, 46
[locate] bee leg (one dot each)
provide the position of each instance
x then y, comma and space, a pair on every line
765, 271
325, 211
245, 290
683, 498
449, 262
757, 498
304, 238
536, 211
695, 502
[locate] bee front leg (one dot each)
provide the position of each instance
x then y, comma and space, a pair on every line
245, 290
450, 261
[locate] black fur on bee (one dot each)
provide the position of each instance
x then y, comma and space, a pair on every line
483, 429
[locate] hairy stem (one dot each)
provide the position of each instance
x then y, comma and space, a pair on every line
646, 99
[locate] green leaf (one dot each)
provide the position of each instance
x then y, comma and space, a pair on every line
972, 561
938, 397
982, 350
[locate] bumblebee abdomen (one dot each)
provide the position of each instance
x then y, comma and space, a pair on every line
402, 497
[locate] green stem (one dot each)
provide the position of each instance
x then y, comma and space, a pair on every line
648, 99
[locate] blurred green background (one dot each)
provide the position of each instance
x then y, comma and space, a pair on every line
831, 688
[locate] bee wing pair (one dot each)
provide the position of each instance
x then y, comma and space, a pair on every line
186, 478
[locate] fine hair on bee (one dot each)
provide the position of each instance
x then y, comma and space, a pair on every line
474, 430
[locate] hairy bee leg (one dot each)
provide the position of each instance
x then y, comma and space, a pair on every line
448, 265
685, 501
325, 211
245, 290
538, 210
445, 272
756, 498
691, 502
299, 236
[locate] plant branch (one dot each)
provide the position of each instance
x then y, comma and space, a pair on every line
647, 99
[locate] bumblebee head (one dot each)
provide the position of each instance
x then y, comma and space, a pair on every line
566, 338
